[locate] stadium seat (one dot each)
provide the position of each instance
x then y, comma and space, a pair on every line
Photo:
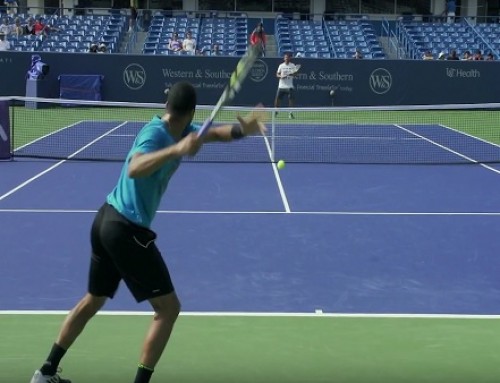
415, 38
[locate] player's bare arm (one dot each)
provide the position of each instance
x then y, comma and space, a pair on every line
248, 126
145, 164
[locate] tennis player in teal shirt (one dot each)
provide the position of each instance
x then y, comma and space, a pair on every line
137, 199
123, 245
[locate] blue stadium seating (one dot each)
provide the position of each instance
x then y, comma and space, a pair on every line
491, 34
348, 36
415, 38
231, 34
311, 38
325, 39
76, 33
301, 36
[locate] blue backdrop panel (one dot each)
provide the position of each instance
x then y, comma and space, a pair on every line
143, 78
80, 87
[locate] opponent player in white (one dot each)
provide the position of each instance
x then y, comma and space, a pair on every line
286, 71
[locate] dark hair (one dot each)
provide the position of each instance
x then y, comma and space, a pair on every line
181, 99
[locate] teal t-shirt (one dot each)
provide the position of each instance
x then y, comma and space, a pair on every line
138, 198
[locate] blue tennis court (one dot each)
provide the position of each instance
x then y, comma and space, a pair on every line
244, 237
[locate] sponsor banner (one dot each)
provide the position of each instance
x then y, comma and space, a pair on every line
320, 82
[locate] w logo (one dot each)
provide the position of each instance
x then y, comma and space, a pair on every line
380, 81
134, 76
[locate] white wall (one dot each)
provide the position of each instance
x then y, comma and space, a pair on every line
68, 4
38, 6
469, 8
318, 6
189, 5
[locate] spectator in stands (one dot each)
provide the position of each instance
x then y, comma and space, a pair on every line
39, 27
4, 43
29, 28
442, 56
451, 8
478, 56
286, 71
467, 56
490, 57
216, 50
211, 51
174, 44
11, 6
93, 48
189, 44
357, 55
453, 55
18, 29
428, 56
258, 37
102, 48
5, 27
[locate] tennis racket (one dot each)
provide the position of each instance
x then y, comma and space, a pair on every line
234, 86
296, 69
293, 71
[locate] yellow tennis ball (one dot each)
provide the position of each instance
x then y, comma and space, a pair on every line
281, 164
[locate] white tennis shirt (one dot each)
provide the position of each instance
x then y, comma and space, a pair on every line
188, 45
284, 70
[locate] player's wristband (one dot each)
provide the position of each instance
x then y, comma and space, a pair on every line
237, 132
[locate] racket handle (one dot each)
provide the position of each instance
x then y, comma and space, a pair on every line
203, 130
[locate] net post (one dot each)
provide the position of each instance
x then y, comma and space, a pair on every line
273, 134
5, 152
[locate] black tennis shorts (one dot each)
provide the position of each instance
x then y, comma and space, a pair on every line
288, 92
124, 250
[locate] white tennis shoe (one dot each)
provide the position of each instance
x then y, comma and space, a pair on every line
38, 377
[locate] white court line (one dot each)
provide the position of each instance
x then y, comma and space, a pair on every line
449, 150
365, 138
48, 134
284, 199
469, 135
315, 314
363, 213
28, 181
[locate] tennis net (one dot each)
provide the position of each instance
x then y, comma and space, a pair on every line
105, 131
